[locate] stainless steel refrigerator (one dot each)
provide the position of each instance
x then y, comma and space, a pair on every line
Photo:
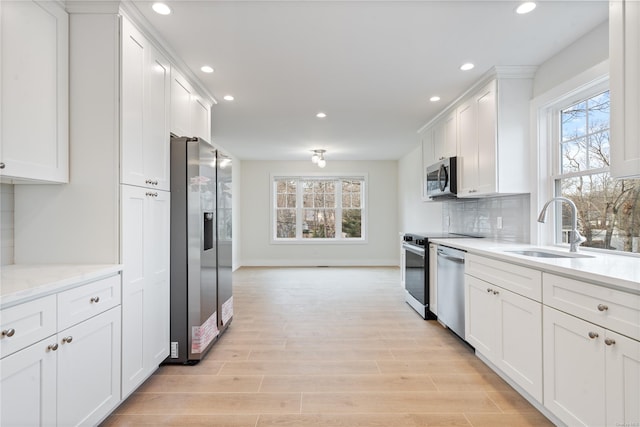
201, 286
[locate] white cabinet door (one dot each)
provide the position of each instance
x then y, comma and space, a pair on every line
468, 148
200, 119
145, 104
34, 82
28, 386
156, 125
145, 295
156, 293
481, 316
623, 379
89, 369
486, 110
624, 60
190, 114
133, 280
574, 369
520, 341
445, 137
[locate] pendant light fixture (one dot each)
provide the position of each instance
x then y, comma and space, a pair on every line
318, 158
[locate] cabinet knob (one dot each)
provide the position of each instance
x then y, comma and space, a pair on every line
593, 335
609, 341
472, 191
8, 332
67, 339
496, 292
602, 307
489, 290
95, 299
1, 165
52, 347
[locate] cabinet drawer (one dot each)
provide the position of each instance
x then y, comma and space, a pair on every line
521, 280
83, 302
27, 323
610, 308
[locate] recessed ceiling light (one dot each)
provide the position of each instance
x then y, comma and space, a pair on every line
161, 8
467, 66
228, 98
525, 7
434, 99
206, 69
321, 115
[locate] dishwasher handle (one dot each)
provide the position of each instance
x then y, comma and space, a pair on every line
450, 258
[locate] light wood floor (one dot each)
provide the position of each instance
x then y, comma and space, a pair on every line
328, 347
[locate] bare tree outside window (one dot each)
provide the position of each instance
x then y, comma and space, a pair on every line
318, 208
608, 209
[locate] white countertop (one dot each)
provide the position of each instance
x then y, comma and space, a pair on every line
23, 282
612, 270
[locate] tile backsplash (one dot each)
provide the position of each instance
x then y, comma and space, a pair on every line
6, 224
482, 216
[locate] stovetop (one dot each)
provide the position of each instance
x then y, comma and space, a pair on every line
421, 238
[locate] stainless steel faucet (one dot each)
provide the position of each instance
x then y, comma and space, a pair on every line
575, 238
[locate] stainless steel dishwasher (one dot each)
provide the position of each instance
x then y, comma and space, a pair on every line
451, 289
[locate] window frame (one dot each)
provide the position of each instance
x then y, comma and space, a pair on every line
543, 128
300, 208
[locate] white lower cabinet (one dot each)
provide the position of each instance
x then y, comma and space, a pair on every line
145, 288
89, 369
506, 328
592, 375
28, 386
71, 377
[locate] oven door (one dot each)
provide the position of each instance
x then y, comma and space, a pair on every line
414, 273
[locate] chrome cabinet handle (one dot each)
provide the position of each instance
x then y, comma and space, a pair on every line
67, 339
1, 165
95, 299
489, 290
472, 191
593, 335
8, 332
52, 347
609, 341
602, 307
149, 194
151, 181
496, 292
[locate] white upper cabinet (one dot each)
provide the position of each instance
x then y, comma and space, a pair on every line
445, 137
624, 59
493, 136
34, 112
190, 114
145, 112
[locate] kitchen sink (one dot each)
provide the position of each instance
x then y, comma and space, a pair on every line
538, 253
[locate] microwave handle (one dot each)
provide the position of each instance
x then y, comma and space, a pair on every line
442, 183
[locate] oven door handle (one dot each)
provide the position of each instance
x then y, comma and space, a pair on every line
414, 249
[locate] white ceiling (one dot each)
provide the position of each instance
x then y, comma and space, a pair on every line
370, 65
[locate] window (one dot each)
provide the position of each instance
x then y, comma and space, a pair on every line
316, 209
608, 209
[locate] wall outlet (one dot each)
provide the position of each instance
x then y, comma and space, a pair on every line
174, 349
499, 223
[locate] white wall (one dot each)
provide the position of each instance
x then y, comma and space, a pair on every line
414, 214
589, 50
381, 247
6, 224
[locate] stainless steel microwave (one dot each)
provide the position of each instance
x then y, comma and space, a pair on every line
441, 179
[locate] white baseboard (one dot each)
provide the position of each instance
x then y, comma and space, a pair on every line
315, 262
